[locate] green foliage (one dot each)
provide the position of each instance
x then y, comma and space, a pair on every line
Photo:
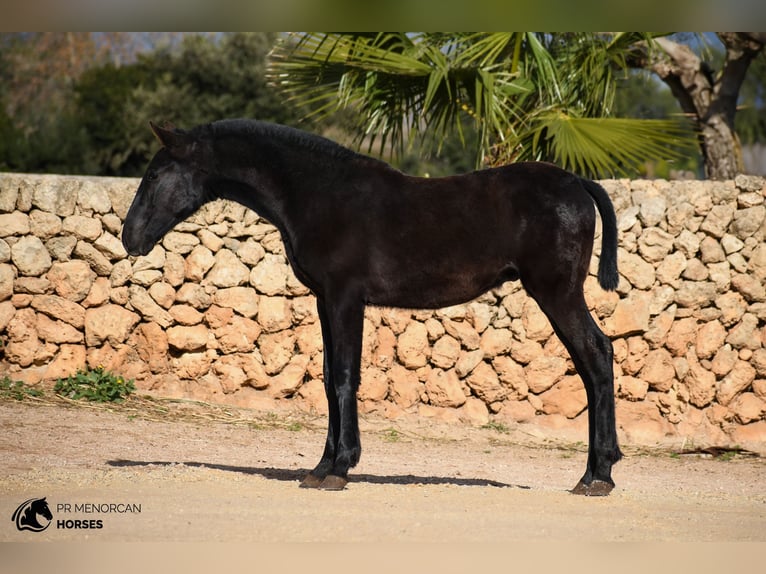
392, 435
531, 96
17, 390
497, 427
95, 121
97, 385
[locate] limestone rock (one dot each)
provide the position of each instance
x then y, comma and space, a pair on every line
474, 412
641, 422
97, 260
163, 293
445, 352
274, 314
185, 315
710, 338
183, 338
373, 385
244, 300
495, 342
485, 384
467, 362
631, 316
748, 408
638, 272
57, 196
631, 388
277, 349
747, 221
750, 287
566, 398
239, 336
198, 263
110, 323
444, 389
717, 220
44, 225
148, 307
180, 243
152, 346
68, 360
173, 270
82, 227
511, 375
681, 336
195, 295
404, 388
536, 324
543, 372
463, 331
71, 279
745, 333
98, 294
60, 308
658, 370
655, 244
57, 332
652, 210
110, 246
270, 275
22, 343
7, 276
739, 379
30, 256
93, 196
228, 270
412, 347
694, 294
309, 339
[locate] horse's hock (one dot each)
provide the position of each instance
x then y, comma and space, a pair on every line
214, 313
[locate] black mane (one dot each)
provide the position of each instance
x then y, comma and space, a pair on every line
296, 138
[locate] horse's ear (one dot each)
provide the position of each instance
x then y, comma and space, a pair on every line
178, 142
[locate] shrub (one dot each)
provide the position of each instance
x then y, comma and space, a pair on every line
98, 385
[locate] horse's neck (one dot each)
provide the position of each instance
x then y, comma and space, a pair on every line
260, 188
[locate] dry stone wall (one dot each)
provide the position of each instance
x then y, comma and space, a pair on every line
214, 313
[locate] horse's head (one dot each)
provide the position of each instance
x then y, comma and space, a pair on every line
40, 506
172, 188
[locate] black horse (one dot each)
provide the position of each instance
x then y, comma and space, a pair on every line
358, 232
26, 515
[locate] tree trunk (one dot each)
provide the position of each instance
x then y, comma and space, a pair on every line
709, 100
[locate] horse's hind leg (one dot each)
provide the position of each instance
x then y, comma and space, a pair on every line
591, 352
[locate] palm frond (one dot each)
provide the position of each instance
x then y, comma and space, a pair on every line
600, 147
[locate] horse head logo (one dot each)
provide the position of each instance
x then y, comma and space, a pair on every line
27, 515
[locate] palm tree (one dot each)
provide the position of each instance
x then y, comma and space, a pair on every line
531, 96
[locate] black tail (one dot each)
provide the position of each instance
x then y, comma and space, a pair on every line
608, 277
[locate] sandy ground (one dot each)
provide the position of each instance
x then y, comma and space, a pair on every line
203, 473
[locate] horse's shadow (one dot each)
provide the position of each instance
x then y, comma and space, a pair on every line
296, 475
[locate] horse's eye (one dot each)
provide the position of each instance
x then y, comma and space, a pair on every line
151, 176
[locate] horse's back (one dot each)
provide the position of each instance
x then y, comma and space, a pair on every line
437, 242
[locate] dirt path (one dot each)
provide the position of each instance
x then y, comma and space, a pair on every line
197, 477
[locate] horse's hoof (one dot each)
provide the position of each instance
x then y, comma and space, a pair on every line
311, 481
332, 482
595, 488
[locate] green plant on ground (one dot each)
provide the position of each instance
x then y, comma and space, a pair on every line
17, 390
496, 426
392, 435
97, 385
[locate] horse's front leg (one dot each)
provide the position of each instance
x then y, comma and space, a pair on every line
342, 327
